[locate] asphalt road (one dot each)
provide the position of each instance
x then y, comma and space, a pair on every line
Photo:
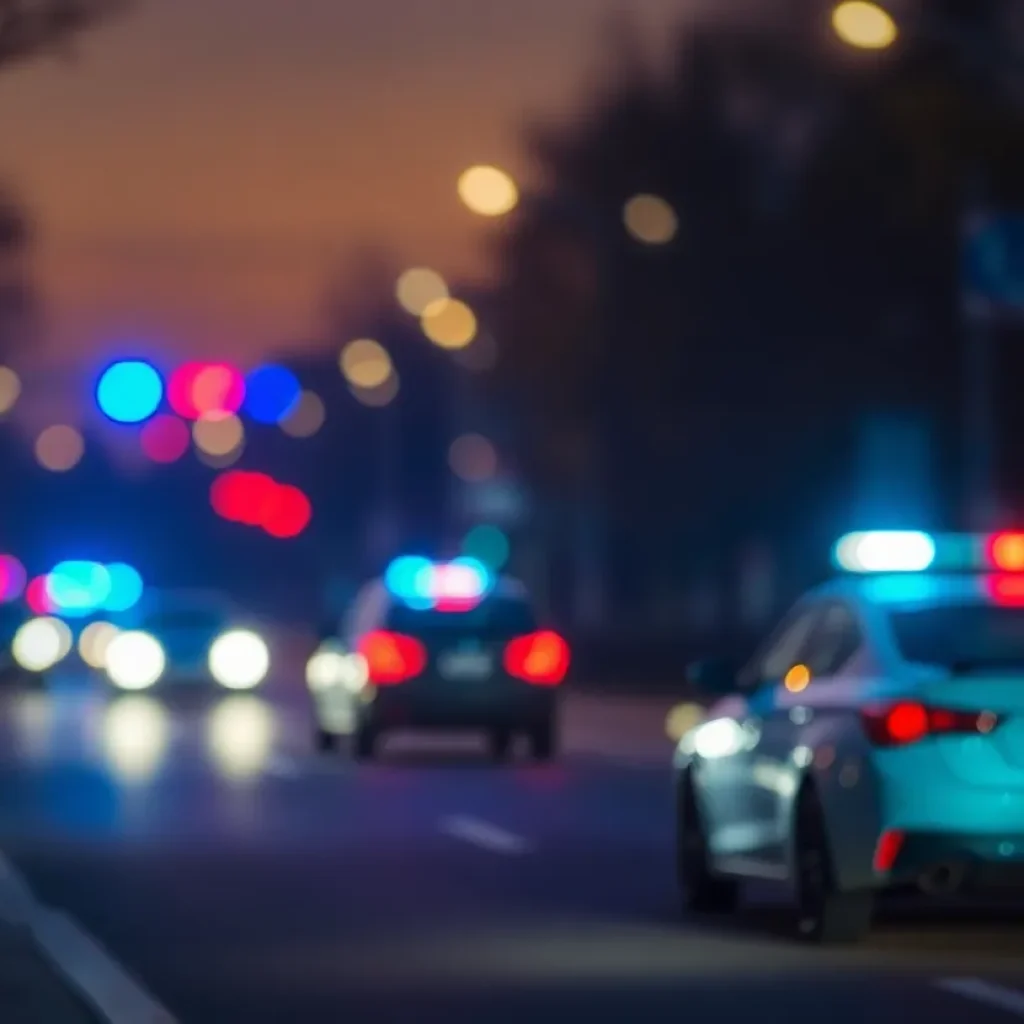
242, 878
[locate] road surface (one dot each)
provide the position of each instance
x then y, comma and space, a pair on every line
204, 861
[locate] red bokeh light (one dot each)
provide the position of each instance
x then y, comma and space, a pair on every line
12, 578
206, 389
218, 389
254, 499
179, 389
288, 514
37, 597
165, 439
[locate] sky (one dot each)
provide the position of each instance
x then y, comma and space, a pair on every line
200, 169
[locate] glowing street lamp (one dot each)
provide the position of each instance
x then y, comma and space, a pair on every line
864, 25
488, 191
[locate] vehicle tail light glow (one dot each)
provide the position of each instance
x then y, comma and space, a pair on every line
392, 658
890, 843
905, 723
1006, 551
540, 658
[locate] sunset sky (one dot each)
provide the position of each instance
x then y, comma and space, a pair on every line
201, 167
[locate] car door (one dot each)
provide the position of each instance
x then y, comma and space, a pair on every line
725, 769
809, 688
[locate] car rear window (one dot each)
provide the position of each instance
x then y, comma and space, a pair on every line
497, 617
965, 637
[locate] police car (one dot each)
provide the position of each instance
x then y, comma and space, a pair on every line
874, 742
185, 637
440, 646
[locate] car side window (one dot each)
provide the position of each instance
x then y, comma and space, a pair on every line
784, 650
836, 638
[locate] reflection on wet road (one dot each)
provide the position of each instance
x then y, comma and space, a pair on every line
241, 876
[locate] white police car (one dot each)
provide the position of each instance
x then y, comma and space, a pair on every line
440, 646
874, 742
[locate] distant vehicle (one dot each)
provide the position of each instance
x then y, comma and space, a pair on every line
439, 647
184, 637
874, 742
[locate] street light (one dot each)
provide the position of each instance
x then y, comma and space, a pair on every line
488, 191
864, 25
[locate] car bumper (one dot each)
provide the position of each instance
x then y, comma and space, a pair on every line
950, 862
439, 703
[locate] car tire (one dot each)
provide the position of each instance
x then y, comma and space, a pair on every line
364, 743
324, 741
544, 740
826, 915
703, 891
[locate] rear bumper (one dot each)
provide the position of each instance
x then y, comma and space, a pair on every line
432, 703
970, 863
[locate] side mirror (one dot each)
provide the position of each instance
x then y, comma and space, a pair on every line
713, 677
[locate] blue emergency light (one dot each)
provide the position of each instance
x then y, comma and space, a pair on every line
423, 584
885, 551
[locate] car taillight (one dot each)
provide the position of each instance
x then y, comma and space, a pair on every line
898, 725
540, 658
392, 658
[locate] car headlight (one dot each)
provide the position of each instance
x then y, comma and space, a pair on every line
135, 661
239, 660
41, 643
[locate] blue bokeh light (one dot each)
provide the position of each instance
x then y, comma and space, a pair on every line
130, 392
126, 588
408, 578
78, 588
271, 393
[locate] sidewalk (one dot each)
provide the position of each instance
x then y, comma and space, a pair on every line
31, 992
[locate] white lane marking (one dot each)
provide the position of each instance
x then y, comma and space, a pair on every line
986, 992
482, 834
104, 984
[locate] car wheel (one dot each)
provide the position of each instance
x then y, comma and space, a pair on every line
827, 916
543, 741
703, 891
325, 741
364, 743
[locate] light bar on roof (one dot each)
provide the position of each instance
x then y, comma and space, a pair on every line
885, 551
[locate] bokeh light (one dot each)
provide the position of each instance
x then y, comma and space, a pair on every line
418, 288
377, 398
165, 439
94, 641
866, 26
650, 219
307, 417
136, 735
37, 597
272, 393
218, 391
13, 578
287, 513
365, 364
488, 191
179, 390
449, 323
78, 588
220, 436
10, 389
473, 458
129, 392
487, 545
240, 736
126, 588
59, 448
41, 643
135, 660
255, 499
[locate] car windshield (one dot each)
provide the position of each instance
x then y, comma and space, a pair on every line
966, 637
497, 617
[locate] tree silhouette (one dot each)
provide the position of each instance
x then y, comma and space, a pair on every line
33, 28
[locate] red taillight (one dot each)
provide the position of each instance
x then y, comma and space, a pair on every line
898, 725
888, 849
1006, 551
540, 658
392, 658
